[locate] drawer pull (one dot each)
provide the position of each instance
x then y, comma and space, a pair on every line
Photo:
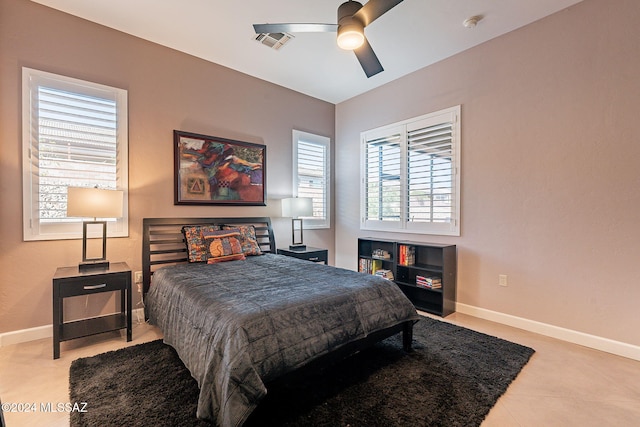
315, 258
90, 287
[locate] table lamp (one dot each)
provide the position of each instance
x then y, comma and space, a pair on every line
295, 207
96, 203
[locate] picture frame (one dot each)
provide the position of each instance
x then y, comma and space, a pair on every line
210, 170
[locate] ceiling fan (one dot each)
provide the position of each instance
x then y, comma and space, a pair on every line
353, 17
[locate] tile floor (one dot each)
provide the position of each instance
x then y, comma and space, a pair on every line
562, 385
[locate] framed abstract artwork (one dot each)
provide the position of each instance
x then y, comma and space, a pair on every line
218, 171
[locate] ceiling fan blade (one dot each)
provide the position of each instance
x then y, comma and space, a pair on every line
374, 9
295, 28
368, 59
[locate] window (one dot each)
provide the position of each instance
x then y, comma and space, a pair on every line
311, 175
74, 135
410, 175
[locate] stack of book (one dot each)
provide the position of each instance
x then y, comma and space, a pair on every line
406, 255
432, 282
380, 254
387, 274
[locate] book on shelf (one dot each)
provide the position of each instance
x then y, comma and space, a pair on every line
369, 266
406, 255
376, 265
380, 254
431, 282
363, 265
387, 274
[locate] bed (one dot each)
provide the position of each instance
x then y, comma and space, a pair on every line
243, 325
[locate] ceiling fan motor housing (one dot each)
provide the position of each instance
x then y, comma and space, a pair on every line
347, 10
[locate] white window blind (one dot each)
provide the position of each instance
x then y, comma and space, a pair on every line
430, 174
411, 175
74, 136
311, 175
383, 195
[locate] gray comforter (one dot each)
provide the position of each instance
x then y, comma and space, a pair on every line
239, 324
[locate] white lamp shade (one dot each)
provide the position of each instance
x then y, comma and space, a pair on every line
294, 207
94, 202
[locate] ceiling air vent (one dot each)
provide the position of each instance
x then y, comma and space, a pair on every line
273, 40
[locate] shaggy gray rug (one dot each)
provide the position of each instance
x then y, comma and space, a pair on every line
453, 377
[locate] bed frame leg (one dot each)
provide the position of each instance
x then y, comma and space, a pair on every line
407, 336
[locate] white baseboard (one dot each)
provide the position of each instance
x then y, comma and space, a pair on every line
40, 332
24, 335
592, 341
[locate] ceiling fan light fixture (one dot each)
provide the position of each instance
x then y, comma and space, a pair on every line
350, 28
350, 36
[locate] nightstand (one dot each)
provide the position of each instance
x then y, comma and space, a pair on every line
309, 253
69, 282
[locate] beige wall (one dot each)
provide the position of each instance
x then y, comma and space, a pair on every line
167, 90
550, 167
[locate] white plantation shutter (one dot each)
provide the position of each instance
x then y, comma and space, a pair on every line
383, 186
411, 175
430, 174
76, 147
74, 135
311, 175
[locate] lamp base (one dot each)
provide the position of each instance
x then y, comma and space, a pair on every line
93, 265
297, 247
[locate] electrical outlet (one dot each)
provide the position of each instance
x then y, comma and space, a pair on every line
502, 280
137, 277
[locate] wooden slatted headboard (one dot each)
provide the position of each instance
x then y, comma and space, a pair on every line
163, 242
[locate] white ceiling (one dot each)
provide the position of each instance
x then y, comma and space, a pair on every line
414, 34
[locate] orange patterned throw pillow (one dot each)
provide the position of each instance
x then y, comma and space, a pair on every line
196, 245
248, 238
223, 245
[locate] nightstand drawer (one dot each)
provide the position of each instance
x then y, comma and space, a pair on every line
308, 253
93, 284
